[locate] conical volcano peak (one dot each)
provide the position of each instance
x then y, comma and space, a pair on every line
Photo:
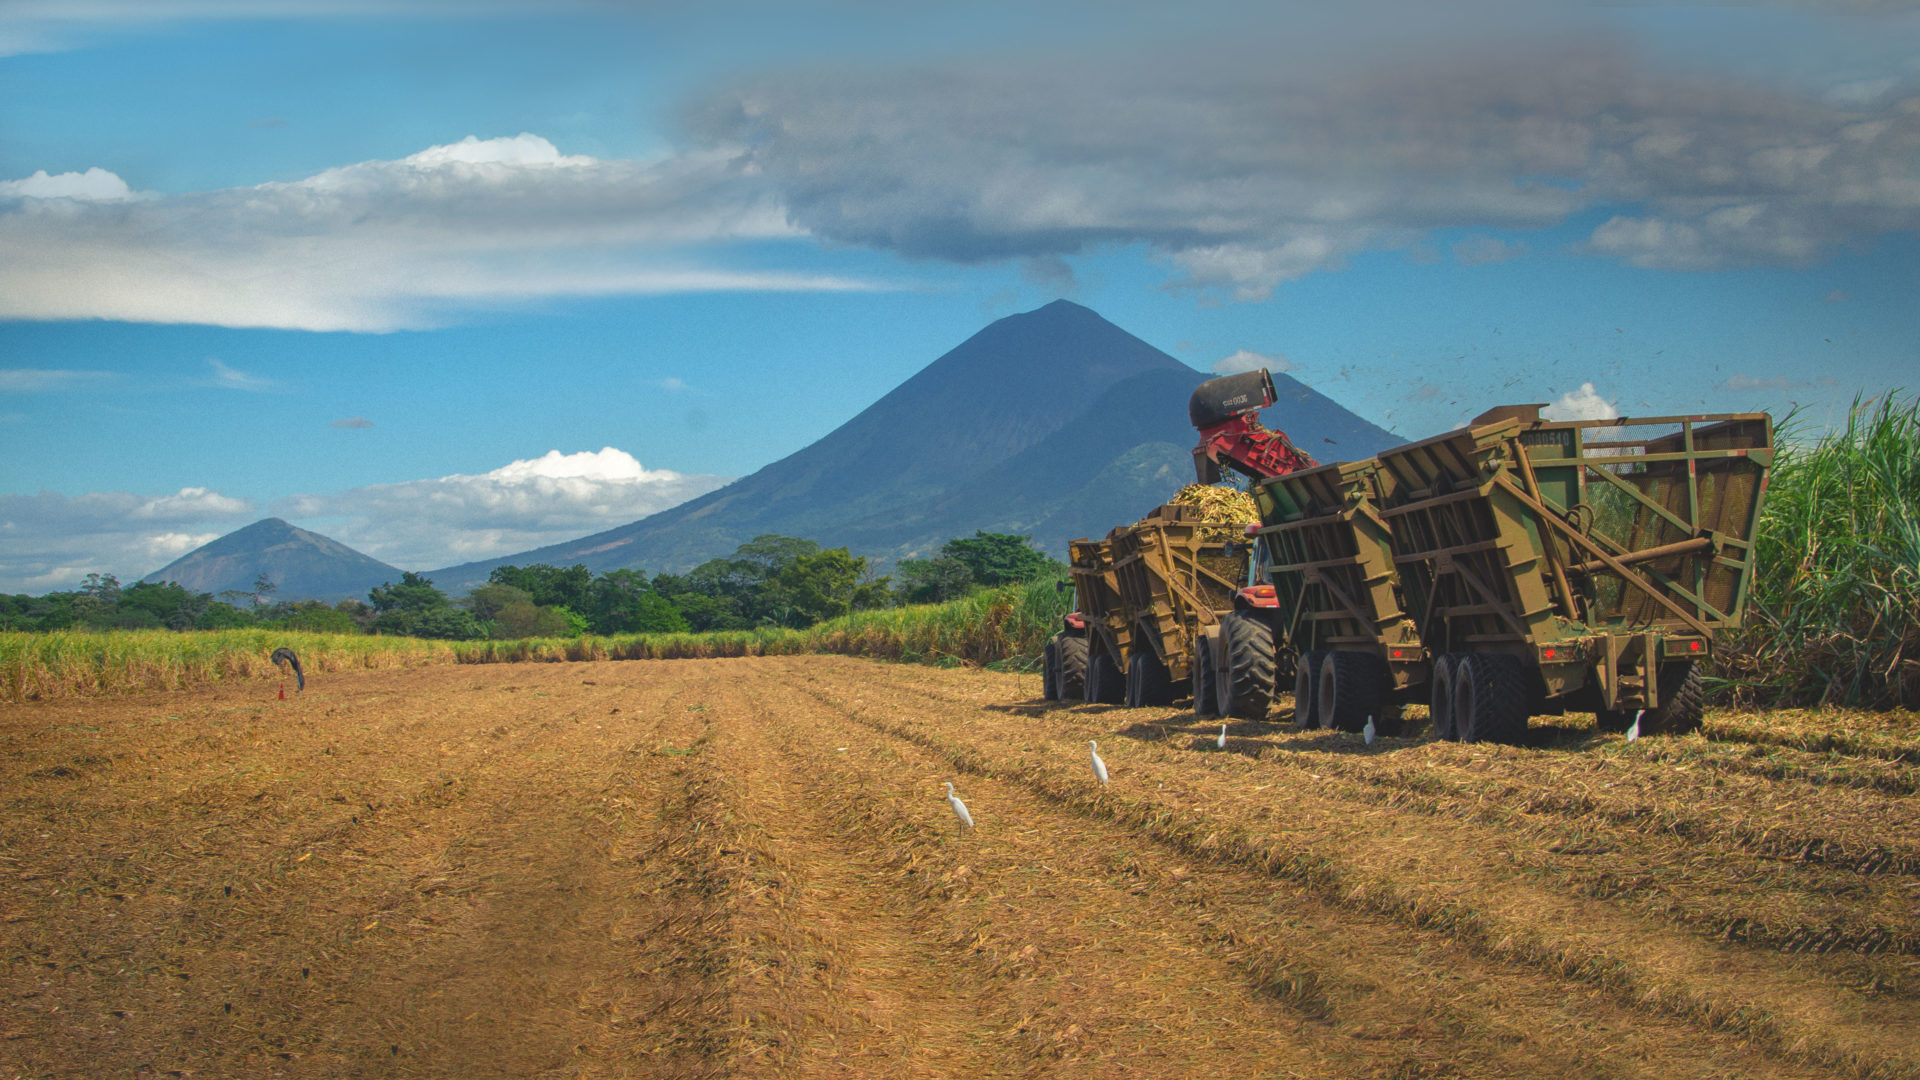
1052, 422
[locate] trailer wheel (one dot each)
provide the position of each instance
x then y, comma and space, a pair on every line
1683, 701
1490, 699
1441, 708
1201, 680
1148, 682
1070, 667
1105, 684
1306, 690
1245, 688
1349, 690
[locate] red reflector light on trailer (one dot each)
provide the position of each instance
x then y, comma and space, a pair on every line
1396, 654
1695, 646
1252, 530
1548, 654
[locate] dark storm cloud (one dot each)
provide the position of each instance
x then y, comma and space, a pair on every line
1246, 172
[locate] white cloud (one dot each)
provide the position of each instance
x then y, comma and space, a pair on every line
382, 245
1248, 360
1582, 404
352, 423
423, 524
94, 185
228, 378
25, 380
50, 541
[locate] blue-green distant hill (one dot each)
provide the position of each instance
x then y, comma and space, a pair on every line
303, 565
1054, 422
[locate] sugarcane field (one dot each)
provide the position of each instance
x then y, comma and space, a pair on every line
747, 867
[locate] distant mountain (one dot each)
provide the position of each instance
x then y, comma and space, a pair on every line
304, 565
1054, 422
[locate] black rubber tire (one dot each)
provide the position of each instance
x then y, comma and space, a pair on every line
1153, 684
1440, 688
1200, 679
1071, 667
1049, 673
1683, 701
1130, 694
1106, 685
1245, 688
1349, 691
1490, 699
1306, 690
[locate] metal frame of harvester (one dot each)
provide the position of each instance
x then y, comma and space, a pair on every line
1586, 565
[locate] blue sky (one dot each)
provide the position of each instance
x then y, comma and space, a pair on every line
451, 281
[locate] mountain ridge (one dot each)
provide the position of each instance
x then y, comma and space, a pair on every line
1004, 432
304, 565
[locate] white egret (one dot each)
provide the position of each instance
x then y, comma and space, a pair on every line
1221, 742
1367, 732
959, 808
1634, 731
1099, 767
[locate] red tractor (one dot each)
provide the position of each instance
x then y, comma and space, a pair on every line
1235, 673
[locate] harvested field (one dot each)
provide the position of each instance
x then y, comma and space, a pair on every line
745, 868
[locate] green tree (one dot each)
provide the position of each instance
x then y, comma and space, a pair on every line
523, 619
624, 602
488, 601
416, 609
820, 585
549, 586
933, 581
999, 558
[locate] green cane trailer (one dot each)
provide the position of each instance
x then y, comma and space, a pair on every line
1579, 565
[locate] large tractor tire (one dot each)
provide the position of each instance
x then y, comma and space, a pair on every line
1245, 688
1306, 690
1050, 673
1440, 707
1070, 657
1148, 681
1490, 699
1200, 680
1683, 701
1350, 691
1106, 684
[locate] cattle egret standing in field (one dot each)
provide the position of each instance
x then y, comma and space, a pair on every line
1099, 767
1221, 742
959, 809
1634, 731
1368, 731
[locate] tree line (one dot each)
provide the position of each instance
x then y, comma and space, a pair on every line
770, 580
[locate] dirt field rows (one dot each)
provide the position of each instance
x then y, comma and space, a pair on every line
747, 868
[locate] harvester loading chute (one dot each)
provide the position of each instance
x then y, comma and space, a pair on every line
1226, 411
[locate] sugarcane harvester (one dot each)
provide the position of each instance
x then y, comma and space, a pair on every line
1517, 566
1237, 659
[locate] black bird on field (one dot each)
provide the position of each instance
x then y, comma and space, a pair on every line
285, 655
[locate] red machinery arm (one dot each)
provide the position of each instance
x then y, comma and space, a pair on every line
1225, 410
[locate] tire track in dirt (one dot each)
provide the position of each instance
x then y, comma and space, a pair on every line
1707, 880
1447, 874
1366, 989
463, 924
831, 979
